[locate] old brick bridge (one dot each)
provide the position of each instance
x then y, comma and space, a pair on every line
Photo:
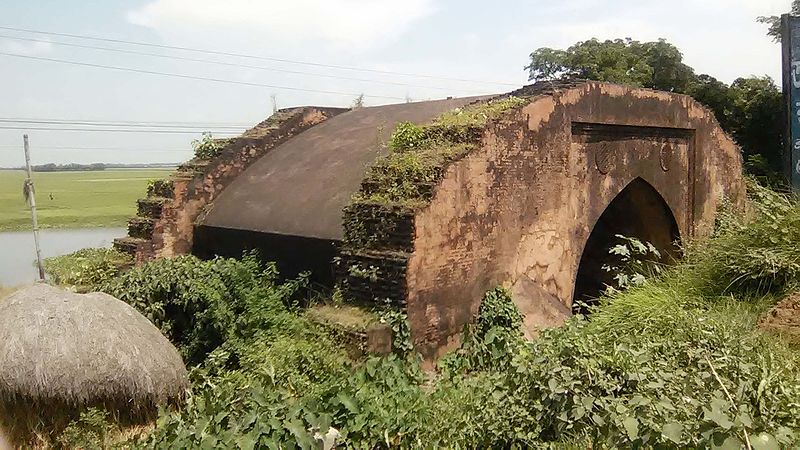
533, 204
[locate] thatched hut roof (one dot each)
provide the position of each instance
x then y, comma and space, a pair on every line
83, 349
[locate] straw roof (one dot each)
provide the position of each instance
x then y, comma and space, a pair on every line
83, 349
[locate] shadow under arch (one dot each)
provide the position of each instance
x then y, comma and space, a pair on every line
637, 211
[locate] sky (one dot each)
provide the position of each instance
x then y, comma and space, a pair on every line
305, 52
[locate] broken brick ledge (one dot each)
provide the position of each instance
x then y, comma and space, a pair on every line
164, 224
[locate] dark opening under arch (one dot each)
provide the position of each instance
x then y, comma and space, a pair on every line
638, 211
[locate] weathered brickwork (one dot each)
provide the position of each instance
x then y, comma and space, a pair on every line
371, 277
529, 198
164, 225
519, 210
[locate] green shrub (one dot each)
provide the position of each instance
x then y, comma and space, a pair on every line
207, 147
420, 154
407, 136
759, 255
87, 268
495, 339
90, 431
674, 361
199, 305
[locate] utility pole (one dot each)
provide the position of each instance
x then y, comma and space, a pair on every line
31, 198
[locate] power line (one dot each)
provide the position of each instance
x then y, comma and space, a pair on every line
192, 77
228, 64
119, 124
265, 58
127, 122
104, 147
115, 149
106, 130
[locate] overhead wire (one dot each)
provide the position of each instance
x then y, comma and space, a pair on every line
120, 124
123, 122
194, 77
249, 56
114, 130
229, 64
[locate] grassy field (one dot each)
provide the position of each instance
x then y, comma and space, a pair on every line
74, 199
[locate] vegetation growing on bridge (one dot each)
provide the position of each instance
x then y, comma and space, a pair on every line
379, 222
419, 154
674, 362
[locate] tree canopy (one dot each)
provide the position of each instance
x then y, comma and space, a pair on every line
774, 22
750, 109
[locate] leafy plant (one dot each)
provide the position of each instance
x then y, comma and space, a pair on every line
637, 261
87, 268
407, 136
201, 305
495, 338
207, 147
401, 330
90, 431
419, 154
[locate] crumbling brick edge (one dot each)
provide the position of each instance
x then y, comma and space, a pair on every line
165, 219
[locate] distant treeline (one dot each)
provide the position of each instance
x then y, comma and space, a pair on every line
71, 167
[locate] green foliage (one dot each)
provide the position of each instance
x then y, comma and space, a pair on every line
87, 268
655, 65
774, 22
759, 255
207, 147
201, 305
369, 273
750, 109
637, 261
407, 136
496, 337
676, 362
401, 331
90, 431
650, 382
159, 188
479, 114
419, 155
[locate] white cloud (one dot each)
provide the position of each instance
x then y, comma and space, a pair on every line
353, 23
26, 48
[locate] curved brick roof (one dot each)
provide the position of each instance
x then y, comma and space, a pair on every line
300, 187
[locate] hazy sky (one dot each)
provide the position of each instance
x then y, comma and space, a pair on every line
465, 39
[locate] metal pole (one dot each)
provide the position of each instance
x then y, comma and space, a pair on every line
32, 201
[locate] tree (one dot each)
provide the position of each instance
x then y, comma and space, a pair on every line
750, 109
774, 22
656, 65
757, 118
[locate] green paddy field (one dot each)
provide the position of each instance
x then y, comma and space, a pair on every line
105, 198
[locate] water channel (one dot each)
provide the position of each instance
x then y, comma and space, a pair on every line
18, 254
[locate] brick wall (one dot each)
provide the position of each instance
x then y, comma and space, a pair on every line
165, 220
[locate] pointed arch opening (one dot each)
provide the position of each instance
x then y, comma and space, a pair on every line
637, 211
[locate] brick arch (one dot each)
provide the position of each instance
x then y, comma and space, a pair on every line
519, 210
516, 209
638, 211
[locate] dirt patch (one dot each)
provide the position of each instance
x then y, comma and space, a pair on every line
784, 318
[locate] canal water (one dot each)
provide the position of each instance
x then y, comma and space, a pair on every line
18, 254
